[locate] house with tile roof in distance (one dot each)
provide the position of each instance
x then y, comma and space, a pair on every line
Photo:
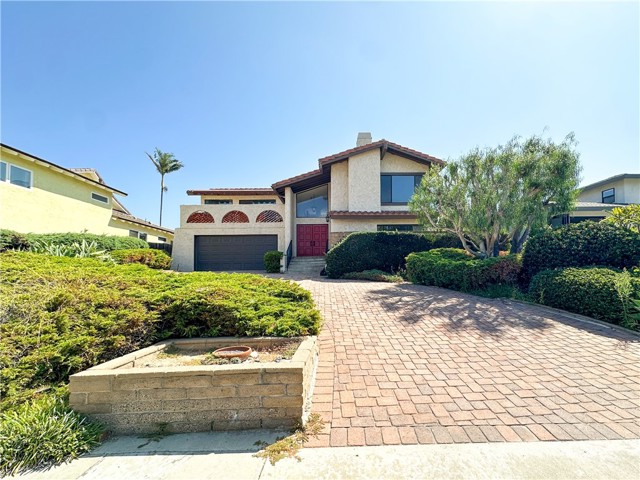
596, 200
38, 196
365, 188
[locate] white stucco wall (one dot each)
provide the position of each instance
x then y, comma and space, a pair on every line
395, 164
364, 181
339, 198
366, 225
627, 191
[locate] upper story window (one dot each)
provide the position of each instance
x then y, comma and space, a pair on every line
609, 195
99, 198
258, 202
313, 203
215, 201
15, 175
398, 189
162, 239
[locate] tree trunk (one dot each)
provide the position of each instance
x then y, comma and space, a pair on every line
517, 242
161, 197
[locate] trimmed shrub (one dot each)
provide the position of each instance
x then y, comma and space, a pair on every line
443, 240
145, 256
587, 291
581, 245
374, 276
384, 251
455, 269
42, 432
102, 242
10, 240
272, 261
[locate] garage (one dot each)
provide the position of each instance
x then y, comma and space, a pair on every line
232, 252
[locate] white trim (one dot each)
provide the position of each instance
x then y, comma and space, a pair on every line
8, 180
97, 200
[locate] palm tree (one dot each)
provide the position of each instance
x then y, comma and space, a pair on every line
165, 163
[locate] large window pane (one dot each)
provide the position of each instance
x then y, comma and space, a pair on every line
385, 188
313, 203
398, 188
20, 176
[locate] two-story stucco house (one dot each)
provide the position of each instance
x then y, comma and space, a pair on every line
365, 188
38, 196
596, 200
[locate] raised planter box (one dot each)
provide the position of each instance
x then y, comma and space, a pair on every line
131, 399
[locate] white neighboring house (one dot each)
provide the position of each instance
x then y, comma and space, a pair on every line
596, 200
365, 188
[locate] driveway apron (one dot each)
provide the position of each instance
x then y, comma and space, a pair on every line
407, 364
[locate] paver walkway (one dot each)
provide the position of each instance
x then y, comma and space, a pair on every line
406, 364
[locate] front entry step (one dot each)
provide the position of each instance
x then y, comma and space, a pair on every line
311, 266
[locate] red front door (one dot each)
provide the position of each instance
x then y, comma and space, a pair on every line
312, 240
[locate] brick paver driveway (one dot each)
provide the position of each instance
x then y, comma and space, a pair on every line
411, 364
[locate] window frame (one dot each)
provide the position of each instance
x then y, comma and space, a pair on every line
217, 201
408, 174
390, 227
612, 196
143, 236
10, 167
6, 171
270, 201
162, 239
134, 233
326, 185
106, 202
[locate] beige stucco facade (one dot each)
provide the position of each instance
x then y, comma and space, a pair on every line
60, 201
627, 190
353, 183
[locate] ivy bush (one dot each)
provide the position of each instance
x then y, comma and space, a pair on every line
272, 260
581, 245
455, 269
150, 257
587, 291
386, 251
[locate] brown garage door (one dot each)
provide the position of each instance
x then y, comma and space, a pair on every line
232, 252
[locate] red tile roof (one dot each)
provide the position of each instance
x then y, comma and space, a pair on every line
297, 178
385, 144
233, 191
361, 214
133, 219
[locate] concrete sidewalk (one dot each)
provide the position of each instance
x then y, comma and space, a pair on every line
230, 455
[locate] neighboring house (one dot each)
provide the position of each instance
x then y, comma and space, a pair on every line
596, 200
365, 188
37, 196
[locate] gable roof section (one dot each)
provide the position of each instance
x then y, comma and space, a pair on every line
119, 215
65, 171
323, 173
621, 176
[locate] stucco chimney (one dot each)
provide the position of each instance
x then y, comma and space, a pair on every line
364, 138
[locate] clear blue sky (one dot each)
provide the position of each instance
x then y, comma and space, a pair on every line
245, 94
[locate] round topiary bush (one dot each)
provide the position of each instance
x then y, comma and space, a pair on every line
581, 245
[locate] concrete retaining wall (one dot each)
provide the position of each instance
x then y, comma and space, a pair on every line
130, 399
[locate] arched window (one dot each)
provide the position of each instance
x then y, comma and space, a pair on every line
269, 216
200, 216
235, 216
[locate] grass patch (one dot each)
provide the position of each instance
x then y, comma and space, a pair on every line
374, 276
288, 447
42, 432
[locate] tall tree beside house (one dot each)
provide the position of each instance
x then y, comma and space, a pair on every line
165, 163
494, 196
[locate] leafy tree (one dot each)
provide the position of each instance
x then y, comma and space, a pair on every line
164, 163
494, 196
626, 217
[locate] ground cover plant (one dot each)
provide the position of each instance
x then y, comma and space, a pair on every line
10, 240
62, 315
374, 276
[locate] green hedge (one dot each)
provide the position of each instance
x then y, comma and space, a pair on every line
587, 291
455, 269
581, 245
386, 251
10, 240
272, 261
62, 315
145, 256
